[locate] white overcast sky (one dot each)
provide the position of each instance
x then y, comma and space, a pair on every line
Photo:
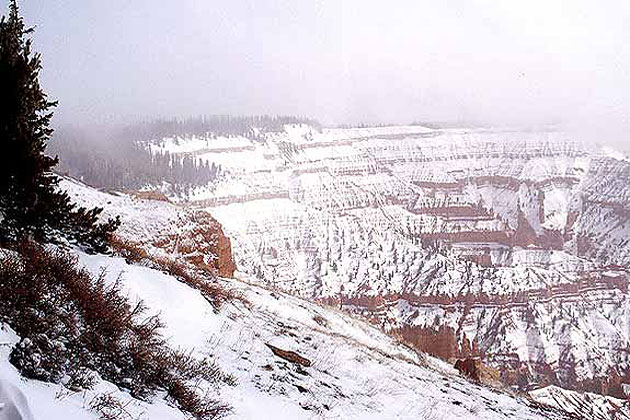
340, 61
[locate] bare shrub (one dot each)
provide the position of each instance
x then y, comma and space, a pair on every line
199, 278
129, 250
191, 368
200, 406
72, 324
109, 407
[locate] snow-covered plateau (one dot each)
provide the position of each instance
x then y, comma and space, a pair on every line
507, 244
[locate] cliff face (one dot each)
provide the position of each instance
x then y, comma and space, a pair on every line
221, 247
225, 264
164, 228
202, 242
506, 245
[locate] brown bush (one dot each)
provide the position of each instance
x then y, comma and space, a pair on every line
202, 408
213, 292
72, 324
198, 278
130, 251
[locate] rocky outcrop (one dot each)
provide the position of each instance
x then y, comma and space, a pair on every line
213, 242
469, 367
439, 342
224, 263
150, 195
524, 235
201, 241
151, 222
289, 356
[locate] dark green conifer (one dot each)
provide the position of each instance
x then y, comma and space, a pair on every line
31, 204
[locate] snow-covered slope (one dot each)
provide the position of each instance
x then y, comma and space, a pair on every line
355, 370
507, 244
585, 405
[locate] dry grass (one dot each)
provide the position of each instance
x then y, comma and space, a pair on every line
199, 278
130, 251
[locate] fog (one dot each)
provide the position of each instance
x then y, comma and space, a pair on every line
341, 61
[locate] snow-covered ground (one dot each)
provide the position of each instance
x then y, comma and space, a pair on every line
356, 371
585, 405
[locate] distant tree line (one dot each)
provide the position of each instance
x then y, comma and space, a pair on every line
119, 158
220, 125
113, 161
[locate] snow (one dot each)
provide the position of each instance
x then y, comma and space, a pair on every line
614, 153
596, 407
311, 211
140, 218
43, 401
188, 144
175, 302
13, 403
356, 372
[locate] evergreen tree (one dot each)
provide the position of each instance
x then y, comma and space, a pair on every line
31, 203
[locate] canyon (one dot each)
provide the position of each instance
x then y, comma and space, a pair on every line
510, 245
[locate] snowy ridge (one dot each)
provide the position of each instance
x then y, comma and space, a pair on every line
356, 371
